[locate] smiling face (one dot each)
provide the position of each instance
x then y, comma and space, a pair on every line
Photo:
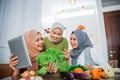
56, 34
38, 42
73, 41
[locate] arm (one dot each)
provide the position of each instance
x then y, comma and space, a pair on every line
80, 59
98, 58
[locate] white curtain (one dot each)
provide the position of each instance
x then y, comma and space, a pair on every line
17, 16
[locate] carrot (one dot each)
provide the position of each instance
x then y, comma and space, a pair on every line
103, 74
95, 73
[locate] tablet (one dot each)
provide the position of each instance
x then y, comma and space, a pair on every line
18, 47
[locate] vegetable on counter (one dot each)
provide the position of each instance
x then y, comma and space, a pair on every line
83, 72
78, 70
52, 56
109, 70
78, 66
67, 75
98, 73
27, 74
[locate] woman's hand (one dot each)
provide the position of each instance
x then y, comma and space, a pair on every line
52, 68
13, 61
67, 54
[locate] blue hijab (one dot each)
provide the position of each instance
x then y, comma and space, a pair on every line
83, 43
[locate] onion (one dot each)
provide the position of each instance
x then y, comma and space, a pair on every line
32, 73
25, 74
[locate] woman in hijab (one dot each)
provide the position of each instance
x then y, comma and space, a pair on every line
34, 42
55, 39
83, 51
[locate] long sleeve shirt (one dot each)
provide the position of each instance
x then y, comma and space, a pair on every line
90, 56
63, 44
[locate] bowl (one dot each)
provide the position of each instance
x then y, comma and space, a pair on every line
81, 75
67, 75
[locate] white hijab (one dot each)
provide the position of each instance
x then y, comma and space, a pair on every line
57, 25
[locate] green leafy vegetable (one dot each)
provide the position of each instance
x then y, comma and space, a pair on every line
55, 56
43, 71
64, 66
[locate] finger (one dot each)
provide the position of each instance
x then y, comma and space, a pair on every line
12, 64
14, 58
11, 56
65, 50
14, 68
48, 67
54, 67
55, 70
15, 62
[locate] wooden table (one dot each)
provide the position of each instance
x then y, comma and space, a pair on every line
58, 77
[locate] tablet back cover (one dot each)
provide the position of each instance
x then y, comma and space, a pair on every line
18, 47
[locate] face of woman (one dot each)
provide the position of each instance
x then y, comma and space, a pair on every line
73, 41
56, 34
39, 42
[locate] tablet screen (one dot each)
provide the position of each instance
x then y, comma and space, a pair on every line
18, 47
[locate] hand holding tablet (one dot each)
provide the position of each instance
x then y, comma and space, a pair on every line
18, 47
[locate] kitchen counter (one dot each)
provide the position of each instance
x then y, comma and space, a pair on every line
58, 77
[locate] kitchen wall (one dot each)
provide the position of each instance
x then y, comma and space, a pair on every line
17, 16
94, 23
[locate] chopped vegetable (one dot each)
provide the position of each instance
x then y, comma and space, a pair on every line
55, 56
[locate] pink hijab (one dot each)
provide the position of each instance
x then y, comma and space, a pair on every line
33, 52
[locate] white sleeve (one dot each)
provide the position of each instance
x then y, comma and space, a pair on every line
80, 59
97, 58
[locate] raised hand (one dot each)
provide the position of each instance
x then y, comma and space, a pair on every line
67, 54
13, 61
